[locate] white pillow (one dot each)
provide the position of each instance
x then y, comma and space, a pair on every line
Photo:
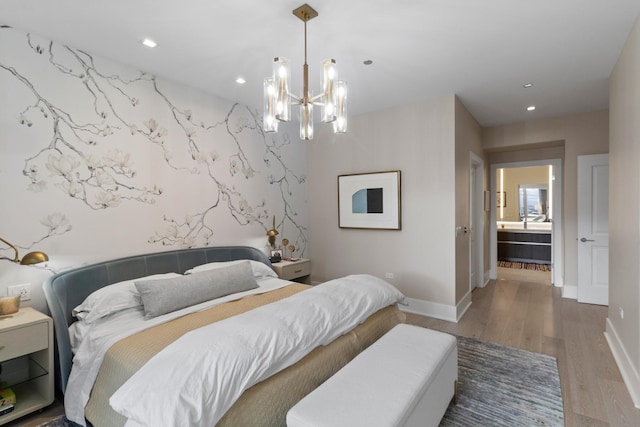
259, 269
112, 298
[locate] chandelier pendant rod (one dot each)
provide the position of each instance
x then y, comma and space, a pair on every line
305, 71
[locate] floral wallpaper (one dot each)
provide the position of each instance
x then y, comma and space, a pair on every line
100, 161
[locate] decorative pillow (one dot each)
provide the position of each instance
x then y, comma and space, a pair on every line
113, 298
259, 269
166, 295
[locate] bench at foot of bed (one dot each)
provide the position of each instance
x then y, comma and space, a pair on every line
406, 378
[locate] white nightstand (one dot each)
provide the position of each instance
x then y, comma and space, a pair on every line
298, 271
26, 357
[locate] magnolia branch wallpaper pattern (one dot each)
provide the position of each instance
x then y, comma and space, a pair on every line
100, 160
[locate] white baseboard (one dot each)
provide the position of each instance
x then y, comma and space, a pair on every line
463, 306
431, 309
569, 291
485, 278
629, 372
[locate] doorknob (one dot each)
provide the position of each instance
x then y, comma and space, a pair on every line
584, 239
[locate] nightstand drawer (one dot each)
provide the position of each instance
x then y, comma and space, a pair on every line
294, 270
20, 341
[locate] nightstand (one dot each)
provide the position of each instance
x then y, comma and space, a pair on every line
26, 358
297, 271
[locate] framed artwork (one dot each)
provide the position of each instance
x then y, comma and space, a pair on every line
369, 200
276, 253
501, 199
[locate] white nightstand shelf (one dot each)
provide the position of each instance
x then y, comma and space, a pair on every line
297, 271
26, 357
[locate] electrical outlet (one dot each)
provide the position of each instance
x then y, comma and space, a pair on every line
23, 290
388, 275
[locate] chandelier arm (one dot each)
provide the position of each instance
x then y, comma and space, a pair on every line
315, 98
295, 98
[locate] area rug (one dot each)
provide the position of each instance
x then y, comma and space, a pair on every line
524, 265
504, 386
497, 386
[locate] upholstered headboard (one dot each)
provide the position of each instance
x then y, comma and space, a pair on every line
68, 289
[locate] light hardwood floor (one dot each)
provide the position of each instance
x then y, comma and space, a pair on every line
517, 311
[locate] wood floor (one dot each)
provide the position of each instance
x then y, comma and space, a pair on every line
518, 312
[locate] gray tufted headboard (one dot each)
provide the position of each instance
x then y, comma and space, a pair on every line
68, 289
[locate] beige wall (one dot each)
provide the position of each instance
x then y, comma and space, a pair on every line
418, 140
584, 133
624, 213
513, 178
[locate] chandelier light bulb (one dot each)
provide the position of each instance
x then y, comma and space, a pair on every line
329, 108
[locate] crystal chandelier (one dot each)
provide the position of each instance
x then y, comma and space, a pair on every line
278, 99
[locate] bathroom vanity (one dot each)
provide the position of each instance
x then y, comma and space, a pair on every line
524, 245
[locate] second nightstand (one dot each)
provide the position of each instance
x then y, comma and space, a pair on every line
297, 271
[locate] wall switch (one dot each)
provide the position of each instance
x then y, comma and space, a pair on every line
23, 290
621, 313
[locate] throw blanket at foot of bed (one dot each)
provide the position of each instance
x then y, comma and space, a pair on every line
219, 361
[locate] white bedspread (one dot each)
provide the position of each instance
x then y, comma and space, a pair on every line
216, 363
98, 337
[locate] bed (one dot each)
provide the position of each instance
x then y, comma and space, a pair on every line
266, 396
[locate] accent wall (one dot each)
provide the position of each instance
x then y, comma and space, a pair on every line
101, 161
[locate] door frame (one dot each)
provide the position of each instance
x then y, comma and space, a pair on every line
557, 236
476, 217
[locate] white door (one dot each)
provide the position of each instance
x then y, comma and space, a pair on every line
593, 229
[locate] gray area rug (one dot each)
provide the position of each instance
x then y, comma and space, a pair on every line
497, 386
504, 386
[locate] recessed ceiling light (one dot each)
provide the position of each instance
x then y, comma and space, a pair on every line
531, 107
241, 80
149, 43
527, 85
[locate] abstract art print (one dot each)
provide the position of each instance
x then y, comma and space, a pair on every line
369, 200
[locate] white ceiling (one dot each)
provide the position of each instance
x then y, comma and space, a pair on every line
481, 50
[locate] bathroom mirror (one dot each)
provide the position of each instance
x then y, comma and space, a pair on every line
533, 202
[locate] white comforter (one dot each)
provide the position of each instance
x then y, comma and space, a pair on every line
91, 342
216, 363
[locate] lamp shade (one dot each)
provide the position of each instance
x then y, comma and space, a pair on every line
34, 258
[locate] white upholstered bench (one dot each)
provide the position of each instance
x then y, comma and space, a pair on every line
406, 378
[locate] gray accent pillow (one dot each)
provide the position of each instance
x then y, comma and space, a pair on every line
166, 295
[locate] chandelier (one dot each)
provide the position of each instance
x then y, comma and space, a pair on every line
278, 99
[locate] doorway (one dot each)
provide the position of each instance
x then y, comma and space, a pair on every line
522, 213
